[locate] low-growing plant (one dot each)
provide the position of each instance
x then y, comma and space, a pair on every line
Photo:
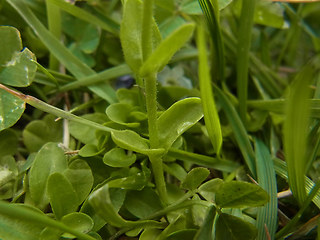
166, 119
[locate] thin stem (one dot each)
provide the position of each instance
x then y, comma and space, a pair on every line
55, 111
147, 29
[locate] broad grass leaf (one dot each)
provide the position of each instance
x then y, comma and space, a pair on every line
117, 157
166, 49
142, 203
238, 194
267, 215
49, 159
206, 230
13, 228
11, 109
21, 70
131, 33
62, 196
10, 43
8, 142
234, 228
296, 131
39, 132
80, 176
211, 117
130, 140
100, 200
194, 178
173, 122
78, 221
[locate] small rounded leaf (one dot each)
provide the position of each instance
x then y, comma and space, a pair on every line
117, 157
195, 177
77, 221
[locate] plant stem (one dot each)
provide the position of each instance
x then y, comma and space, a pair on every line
55, 111
147, 29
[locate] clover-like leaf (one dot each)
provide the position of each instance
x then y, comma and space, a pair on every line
79, 221
234, 228
238, 194
117, 157
195, 177
121, 113
177, 119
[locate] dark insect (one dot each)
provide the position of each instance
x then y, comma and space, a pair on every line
126, 81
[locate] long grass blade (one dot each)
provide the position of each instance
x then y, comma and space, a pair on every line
244, 43
211, 116
239, 131
72, 63
267, 215
296, 132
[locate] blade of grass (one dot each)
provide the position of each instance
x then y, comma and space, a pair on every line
202, 160
72, 63
54, 26
267, 215
239, 130
211, 116
244, 43
289, 227
210, 9
110, 26
296, 132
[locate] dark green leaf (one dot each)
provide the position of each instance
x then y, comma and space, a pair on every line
177, 119
187, 234
194, 178
11, 107
62, 196
8, 142
236, 194
234, 228
206, 230
117, 157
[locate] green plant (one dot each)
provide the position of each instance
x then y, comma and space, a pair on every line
172, 156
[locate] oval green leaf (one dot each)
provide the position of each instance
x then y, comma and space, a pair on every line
10, 42
120, 113
238, 194
177, 119
11, 109
194, 178
166, 49
117, 157
61, 194
78, 221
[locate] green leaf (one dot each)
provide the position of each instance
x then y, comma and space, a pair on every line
121, 113
130, 140
206, 230
13, 228
10, 43
8, 177
100, 200
194, 178
236, 194
8, 142
166, 49
176, 170
85, 133
11, 109
80, 176
89, 150
61, 194
117, 157
234, 228
39, 132
21, 69
208, 189
173, 122
78, 221
267, 180
296, 131
211, 117
49, 159
131, 33
187, 234
142, 203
